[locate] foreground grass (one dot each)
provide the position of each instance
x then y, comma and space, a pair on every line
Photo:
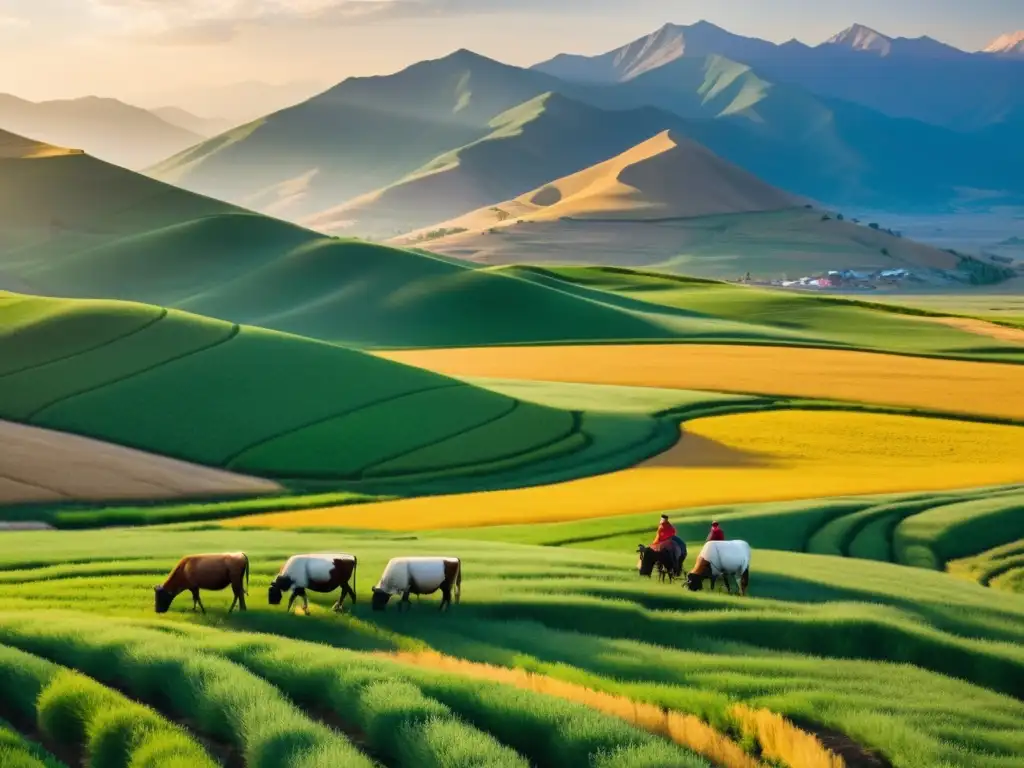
817, 641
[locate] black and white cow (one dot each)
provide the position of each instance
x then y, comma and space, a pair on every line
320, 573
419, 576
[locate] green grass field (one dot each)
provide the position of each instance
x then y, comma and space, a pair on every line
145, 377
822, 641
138, 239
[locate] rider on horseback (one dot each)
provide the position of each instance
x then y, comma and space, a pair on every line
666, 540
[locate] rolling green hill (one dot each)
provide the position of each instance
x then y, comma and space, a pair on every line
261, 402
73, 226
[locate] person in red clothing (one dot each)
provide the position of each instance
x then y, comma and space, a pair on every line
665, 540
716, 534
665, 533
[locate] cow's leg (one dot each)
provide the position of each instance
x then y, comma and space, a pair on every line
446, 595
305, 602
728, 584
291, 601
234, 601
405, 600
196, 600
240, 594
744, 582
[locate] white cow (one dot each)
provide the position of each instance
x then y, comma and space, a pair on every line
419, 576
318, 572
721, 558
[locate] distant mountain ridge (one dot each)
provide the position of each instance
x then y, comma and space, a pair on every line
899, 77
107, 128
1011, 44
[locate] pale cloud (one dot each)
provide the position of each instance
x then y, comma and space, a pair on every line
211, 22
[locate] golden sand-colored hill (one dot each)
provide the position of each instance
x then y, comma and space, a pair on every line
672, 204
665, 177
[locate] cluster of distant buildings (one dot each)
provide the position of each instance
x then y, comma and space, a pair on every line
848, 278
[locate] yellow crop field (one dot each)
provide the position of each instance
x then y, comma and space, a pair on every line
770, 456
988, 389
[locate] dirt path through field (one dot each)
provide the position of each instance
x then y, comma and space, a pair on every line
985, 389
38, 465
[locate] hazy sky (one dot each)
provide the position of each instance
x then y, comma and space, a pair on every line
143, 49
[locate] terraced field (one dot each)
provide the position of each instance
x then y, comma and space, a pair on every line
570, 620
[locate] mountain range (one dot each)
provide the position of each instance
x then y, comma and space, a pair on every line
107, 128
379, 156
919, 78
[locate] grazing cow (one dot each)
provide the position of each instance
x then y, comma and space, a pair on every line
320, 573
214, 571
669, 562
721, 558
419, 576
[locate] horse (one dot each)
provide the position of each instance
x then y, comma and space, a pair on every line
668, 566
721, 558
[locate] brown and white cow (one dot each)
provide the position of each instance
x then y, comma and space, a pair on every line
322, 573
419, 576
210, 571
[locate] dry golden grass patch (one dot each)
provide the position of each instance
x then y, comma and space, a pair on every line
781, 740
685, 730
987, 389
769, 456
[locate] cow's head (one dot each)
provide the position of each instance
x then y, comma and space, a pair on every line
694, 582
645, 560
277, 589
163, 598
380, 599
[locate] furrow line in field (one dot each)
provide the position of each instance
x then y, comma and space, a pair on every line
78, 353
233, 333
346, 412
84, 721
219, 699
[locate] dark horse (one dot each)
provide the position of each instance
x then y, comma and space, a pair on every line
667, 565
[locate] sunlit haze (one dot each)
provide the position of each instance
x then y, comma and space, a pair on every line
149, 51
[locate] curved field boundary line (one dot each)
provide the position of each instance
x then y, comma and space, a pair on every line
347, 412
476, 466
685, 730
235, 329
992, 388
145, 326
483, 424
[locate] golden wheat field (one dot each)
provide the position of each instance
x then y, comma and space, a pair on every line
988, 389
769, 456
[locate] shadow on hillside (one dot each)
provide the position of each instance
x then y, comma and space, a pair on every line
697, 451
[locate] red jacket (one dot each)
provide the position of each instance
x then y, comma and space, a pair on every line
717, 534
665, 532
